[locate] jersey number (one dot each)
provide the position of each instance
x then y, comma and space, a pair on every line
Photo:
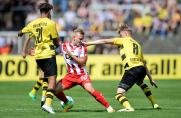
39, 37
135, 48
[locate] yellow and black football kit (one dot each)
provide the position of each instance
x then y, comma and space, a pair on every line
44, 32
130, 51
135, 71
132, 60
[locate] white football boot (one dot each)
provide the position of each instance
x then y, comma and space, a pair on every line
126, 110
48, 109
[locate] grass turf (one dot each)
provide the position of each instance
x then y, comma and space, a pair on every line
15, 102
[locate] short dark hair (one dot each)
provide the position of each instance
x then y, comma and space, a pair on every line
124, 27
45, 7
81, 31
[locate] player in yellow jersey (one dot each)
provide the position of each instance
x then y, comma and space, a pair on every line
135, 68
42, 81
46, 39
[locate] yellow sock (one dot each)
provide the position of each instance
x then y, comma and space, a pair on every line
127, 105
37, 86
33, 91
48, 101
49, 97
152, 100
123, 100
148, 93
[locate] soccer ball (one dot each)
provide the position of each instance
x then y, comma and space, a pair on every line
62, 104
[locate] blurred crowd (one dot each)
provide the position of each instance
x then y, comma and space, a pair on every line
151, 18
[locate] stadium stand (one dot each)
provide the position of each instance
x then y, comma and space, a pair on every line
154, 22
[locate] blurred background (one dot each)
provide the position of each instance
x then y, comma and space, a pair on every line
154, 22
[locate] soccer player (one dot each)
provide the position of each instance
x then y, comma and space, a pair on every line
46, 38
75, 56
133, 62
43, 81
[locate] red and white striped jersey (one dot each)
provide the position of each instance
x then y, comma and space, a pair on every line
71, 65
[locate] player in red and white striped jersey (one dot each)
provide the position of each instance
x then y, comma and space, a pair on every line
75, 56
79, 51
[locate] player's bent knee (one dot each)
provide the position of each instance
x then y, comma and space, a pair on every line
88, 87
123, 87
121, 91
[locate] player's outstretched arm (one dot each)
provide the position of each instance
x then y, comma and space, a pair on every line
100, 41
25, 47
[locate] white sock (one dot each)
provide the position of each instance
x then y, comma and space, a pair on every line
43, 98
110, 109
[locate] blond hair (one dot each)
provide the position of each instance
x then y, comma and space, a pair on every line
81, 31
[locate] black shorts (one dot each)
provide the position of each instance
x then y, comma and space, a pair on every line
48, 66
132, 76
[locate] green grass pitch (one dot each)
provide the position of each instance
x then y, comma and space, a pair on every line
15, 102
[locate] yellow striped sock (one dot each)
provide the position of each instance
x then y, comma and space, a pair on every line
44, 88
33, 91
37, 86
49, 97
123, 100
148, 93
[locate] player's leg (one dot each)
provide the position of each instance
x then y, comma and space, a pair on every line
144, 87
44, 90
141, 75
87, 85
49, 95
64, 84
120, 96
49, 67
59, 92
125, 84
35, 88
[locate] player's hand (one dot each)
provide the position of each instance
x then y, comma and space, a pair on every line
31, 52
83, 43
23, 54
20, 34
68, 52
153, 83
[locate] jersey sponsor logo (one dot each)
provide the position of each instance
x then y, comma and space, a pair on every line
136, 59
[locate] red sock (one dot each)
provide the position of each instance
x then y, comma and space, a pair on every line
100, 98
61, 96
